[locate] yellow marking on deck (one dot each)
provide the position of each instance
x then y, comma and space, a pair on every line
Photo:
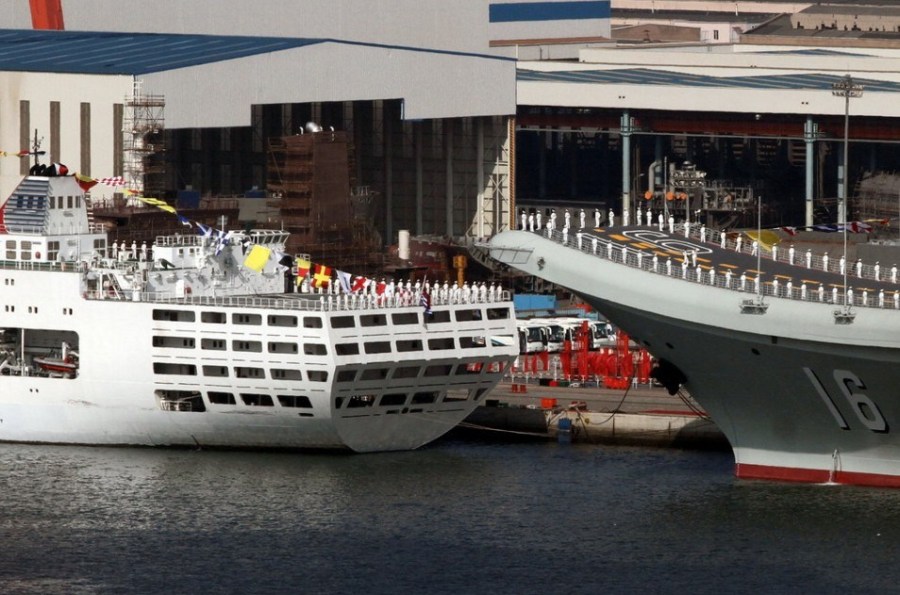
782, 277
619, 237
643, 245
728, 266
810, 281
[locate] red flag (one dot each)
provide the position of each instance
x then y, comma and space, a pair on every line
359, 283
380, 287
85, 182
790, 230
321, 276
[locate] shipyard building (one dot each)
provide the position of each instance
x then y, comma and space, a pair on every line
447, 120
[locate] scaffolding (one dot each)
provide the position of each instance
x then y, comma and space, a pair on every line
143, 143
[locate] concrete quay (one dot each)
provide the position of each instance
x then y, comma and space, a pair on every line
642, 415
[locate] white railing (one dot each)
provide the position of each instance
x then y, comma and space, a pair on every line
305, 302
610, 250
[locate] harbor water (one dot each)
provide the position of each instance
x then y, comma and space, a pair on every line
455, 517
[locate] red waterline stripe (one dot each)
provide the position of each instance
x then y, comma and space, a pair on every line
745, 471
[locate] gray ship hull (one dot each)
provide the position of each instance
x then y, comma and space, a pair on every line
799, 395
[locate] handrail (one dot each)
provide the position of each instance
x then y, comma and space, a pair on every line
614, 251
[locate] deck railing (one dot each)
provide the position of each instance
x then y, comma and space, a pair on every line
682, 267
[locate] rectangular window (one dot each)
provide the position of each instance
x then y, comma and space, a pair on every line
374, 374
247, 319
439, 316
357, 401
278, 347
378, 347
174, 369
410, 345
468, 315
213, 317
247, 346
216, 371
174, 315
498, 313
373, 320
346, 375
406, 372
339, 322
295, 401
246, 372
11, 250
257, 400
424, 398
347, 349
440, 344
316, 322
217, 398
26, 250
53, 251
405, 318
282, 320
286, 374
392, 400
456, 394
471, 342
439, 370
213, 344
318, 376
173, 342
314, 349
469, 368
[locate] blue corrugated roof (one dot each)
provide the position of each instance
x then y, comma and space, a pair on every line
88, 52
642, 76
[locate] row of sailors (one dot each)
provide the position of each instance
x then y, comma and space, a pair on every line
689, 263
533, 221
792, 258
409, 293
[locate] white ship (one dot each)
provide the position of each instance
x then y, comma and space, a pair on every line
180, 344
800, 369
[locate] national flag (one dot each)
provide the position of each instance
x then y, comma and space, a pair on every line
425, 301
205, 230
85, 182
360, 283
344, 279
321, 276
257, 258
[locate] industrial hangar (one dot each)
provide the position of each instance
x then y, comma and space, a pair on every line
456, 113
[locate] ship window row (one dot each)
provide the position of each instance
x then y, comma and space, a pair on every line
179, 400
65, 202
413, 345
370, 374
217, 371
241, 345
362, 401
238, 318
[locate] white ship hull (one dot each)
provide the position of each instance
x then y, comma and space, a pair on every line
190, 342
115, 399
798, 396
